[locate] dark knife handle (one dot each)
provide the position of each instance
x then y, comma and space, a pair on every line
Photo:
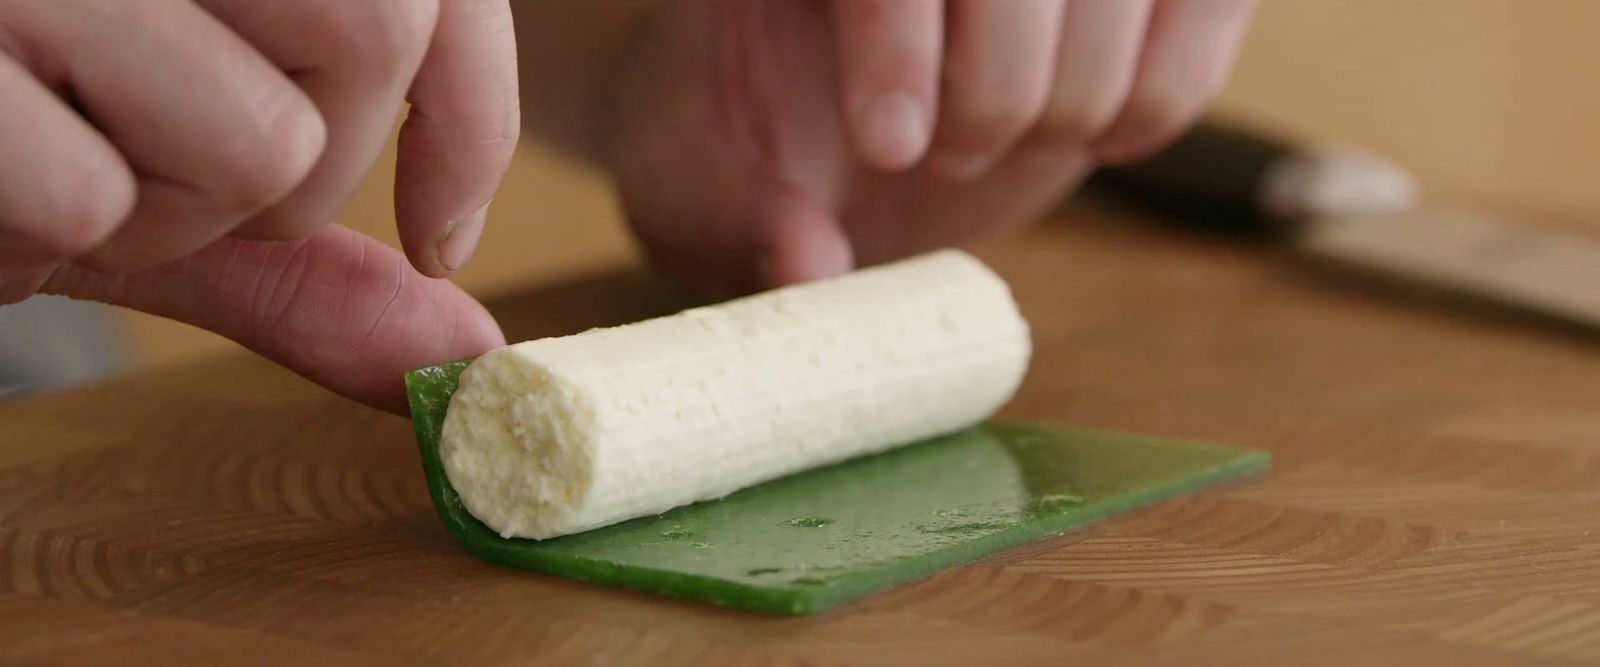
1211, 177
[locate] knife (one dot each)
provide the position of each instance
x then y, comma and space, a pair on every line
1347, 209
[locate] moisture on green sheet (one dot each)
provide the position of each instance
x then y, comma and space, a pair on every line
813, 540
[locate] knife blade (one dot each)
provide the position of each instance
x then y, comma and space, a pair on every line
1343, 208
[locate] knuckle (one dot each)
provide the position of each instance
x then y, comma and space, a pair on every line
504, 129
97, 199
1153, 117
991, 119
491, 132
1148, 123
497, 136
1072, 124
385, 35
992, 124
282, 149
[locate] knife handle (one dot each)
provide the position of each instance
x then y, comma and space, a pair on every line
1214, 176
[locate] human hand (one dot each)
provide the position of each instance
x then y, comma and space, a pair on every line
763, 143
145, 141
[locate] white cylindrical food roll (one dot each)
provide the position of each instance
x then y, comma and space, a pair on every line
561, 435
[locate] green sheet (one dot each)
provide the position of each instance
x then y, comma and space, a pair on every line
813, 540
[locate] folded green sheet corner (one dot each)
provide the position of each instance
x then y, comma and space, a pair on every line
814, 540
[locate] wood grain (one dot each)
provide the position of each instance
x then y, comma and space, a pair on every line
1436, 499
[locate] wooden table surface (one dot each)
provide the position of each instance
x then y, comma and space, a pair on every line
1436, 499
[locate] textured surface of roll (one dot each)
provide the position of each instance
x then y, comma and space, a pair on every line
560, 435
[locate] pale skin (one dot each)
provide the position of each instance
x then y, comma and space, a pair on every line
187, 157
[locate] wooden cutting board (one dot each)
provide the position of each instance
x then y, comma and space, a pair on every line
1436, 500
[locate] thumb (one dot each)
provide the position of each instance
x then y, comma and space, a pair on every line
339, 308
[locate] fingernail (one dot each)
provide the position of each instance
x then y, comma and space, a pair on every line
897, 128
455, 249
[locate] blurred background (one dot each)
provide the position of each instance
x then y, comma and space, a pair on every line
1490, 100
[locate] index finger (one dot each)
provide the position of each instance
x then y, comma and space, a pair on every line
459, 136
